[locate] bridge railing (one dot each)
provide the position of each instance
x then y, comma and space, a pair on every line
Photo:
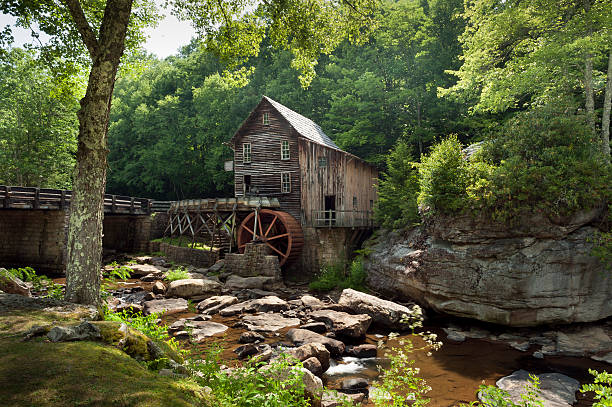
47, 198
342, 219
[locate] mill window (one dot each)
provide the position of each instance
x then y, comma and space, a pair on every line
354, 202
285, 182
284, 150
322, 162
266, 118
246, 153
246, 182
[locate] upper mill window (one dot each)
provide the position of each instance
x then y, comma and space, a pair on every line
246, 153
266, 118
284, 150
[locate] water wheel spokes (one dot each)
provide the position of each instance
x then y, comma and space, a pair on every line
278, 230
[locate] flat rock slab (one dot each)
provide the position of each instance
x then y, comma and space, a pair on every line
587, 341
342, 323
383, 312
303, 336
165, 306
265, 304
212, 305
206, 329
268, 322
82, 332
141, 270
556, 390
240, 283
193, 288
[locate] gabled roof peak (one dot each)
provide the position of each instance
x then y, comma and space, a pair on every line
303, 125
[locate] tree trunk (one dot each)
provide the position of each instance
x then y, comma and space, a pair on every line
87, 202
605, 117
588, 91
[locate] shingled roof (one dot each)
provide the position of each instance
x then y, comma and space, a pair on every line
303, 125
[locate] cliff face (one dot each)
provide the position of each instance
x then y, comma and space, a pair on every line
538, 273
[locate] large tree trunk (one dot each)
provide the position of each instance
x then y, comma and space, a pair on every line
87, 202
605, 118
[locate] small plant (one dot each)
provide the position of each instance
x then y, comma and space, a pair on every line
179, 273
602, 387
41, 284
147, 324
334, 276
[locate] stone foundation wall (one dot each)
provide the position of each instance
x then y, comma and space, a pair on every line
35, 238
196, 257
256, 261
159, 221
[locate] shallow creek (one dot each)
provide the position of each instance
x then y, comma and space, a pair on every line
454, 372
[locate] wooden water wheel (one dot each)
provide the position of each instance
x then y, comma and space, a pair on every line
279, 230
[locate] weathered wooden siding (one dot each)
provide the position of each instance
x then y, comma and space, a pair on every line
344, 176
266, 165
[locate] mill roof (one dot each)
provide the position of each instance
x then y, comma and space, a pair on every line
303, 125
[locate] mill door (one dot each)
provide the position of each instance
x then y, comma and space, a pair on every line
330, 210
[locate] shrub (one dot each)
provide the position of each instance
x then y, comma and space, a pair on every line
398, 189
334, 276
40, 284
443, 178
147, 324
179, 273
602, 387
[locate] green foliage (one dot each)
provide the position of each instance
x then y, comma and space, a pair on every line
118, 272
147, 324
41, 284
602, 244
334, 276
602, 387
38, 125
398, 189
179, 241
443, 178
179, 273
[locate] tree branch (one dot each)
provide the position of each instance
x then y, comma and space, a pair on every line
87, 34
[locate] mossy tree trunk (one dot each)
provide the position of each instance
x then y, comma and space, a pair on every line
607, 107
87, 202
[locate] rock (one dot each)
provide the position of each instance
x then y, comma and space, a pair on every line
311, 302
605, 358
159, 288
10, 284
141, 270
341, 323
165, 306
383, 312
212, 305
130, 308
535, 273
454, 335
257, 293
240, 283
362, 351
152, 277
217, 267
318, 327
264, 353
310, 350
85, 331
206, 329
265, 304
538, 355
303, 336
335, 399
244, 351
583, 342
250, 337
313, 365
193, 288
556, 390
268, 322
312, 384
355, 385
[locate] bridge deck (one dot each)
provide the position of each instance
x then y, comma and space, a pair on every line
12, 197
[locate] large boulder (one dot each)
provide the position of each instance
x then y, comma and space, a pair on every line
341, 323
312, 350
85, 331
556, 390
539, 272
141, 270
10, 284
383, 312
241, 283
303, 336
193, 288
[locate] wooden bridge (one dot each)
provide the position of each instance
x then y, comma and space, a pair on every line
13, 197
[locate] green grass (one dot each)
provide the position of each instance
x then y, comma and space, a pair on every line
179, 273
177, 241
